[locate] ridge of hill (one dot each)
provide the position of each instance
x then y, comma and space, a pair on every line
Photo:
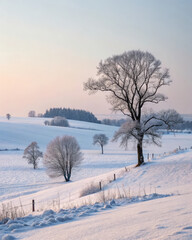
158, 195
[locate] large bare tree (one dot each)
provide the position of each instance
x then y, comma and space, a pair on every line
62, 155
132, 80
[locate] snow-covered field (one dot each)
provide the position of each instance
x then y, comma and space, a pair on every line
158, 203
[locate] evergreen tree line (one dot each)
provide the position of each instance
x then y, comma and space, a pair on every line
185, 125
74, 114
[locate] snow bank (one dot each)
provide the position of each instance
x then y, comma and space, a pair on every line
50, 217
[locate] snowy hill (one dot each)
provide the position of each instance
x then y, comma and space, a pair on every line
158, 195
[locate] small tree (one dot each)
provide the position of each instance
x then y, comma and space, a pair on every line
8, 116
101, 140
32, 154
62, 155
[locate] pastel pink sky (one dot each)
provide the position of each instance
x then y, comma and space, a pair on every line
49, 48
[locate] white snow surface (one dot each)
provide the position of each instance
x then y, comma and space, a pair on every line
158, 202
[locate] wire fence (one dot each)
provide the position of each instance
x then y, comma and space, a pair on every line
8, 210
178, 150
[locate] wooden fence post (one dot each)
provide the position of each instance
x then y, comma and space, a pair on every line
100, 186
114, 177
33, 205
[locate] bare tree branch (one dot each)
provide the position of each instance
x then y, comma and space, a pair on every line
133, 78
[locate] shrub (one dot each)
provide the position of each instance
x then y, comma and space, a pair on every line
59, 121
90, 189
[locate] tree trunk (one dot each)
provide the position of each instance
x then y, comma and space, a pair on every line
67, 171
67, 178
140, 153
101, 149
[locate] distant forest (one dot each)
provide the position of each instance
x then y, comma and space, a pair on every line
74, 114
186, 125
86, 116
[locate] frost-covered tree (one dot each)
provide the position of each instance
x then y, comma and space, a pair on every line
62, 155
100, 139
32, 154
59, 121
132, 80
148, 130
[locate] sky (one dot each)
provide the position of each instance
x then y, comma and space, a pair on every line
49, 48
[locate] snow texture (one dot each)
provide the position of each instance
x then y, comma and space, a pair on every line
158, 198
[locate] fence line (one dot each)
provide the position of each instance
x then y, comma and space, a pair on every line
102, 183
166, 154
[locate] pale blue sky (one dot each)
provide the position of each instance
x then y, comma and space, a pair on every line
48, 48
